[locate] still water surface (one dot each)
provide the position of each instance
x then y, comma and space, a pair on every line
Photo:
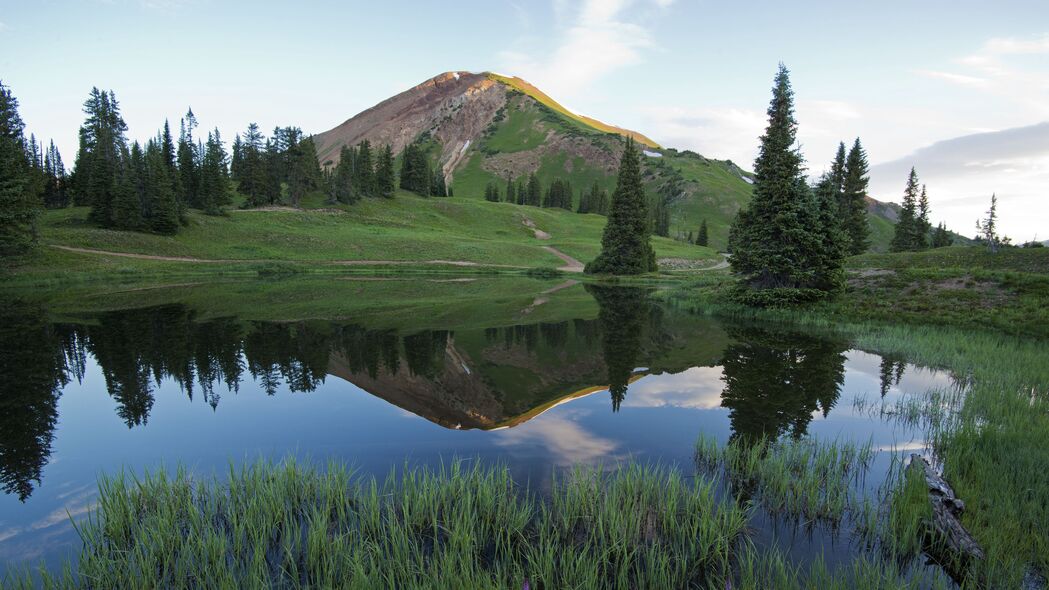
538, 376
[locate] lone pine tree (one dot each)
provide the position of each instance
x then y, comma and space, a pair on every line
783, 249
625, 245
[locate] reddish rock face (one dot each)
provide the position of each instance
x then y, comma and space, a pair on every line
455, 107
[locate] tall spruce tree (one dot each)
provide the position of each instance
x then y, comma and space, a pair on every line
364, 170
127, 204
385, 182
908, 227
188, 179
55, 188
625, 244
160, 188
251, 172
853, 200
97, 167
924, 229
510, 196
20, 203
214, 176
702, 238
779, 249
534, 191
988, 227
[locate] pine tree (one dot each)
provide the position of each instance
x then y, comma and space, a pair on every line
853, 200
940, 237
521, 191
625, 244
127, 206
98, 162
364, 170
385, 182
779, 251
907, 226
159, 186
702, 239
511, 197
988, 226
55, 193
251, 174
438, 188
491, 192
660, 217
214, 177
187, 158
415, 171
534, 191
924, 226
20, 204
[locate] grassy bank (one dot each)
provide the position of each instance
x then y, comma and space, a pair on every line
991, 438
406, 229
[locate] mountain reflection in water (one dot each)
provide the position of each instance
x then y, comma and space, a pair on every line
658, 363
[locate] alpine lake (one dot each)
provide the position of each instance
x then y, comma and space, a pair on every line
387, 373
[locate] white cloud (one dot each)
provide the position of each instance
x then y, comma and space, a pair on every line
955, 78
597, 39
563, 438
962, 172
696, 388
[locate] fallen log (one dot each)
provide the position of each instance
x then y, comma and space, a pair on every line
946, 540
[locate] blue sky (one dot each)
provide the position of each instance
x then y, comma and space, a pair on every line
908, 77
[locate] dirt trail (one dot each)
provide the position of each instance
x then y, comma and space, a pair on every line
571, 264
541, 299
251, 260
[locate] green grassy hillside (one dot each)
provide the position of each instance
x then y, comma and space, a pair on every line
404, 229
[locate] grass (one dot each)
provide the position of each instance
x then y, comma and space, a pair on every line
461, 526
993, 449
405, 229
800, 478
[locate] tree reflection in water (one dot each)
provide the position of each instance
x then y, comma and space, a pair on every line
775, 381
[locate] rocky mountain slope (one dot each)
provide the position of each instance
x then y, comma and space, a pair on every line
482, 128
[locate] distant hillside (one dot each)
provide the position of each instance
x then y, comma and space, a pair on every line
485, 128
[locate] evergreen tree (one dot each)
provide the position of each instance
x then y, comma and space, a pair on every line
438, 188
385, 182
55, 193
236, 158
273, 174
491, 192
702, 239
940, 237
97, 166
344, 188
521, 191
20, 203
779, 249
924, 226
188, 178
908, 226
364, 170
214, 177
127, 205
534, 191
988, 226
853, 200
771, 240
160, 188
625, 243
415, 171
251, 175
660, 217
511, 197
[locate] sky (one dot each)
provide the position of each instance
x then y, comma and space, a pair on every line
959, 89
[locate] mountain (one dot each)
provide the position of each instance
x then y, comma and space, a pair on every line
481, 128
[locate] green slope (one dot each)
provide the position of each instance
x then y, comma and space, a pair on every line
405, 229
